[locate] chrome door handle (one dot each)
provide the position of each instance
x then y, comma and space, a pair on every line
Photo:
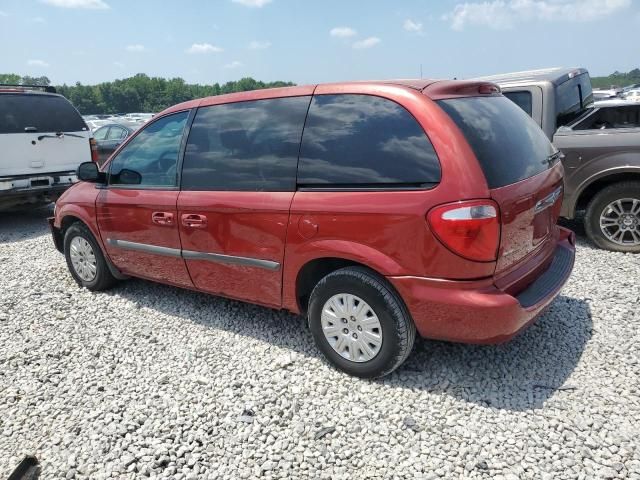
193, 220
162, 218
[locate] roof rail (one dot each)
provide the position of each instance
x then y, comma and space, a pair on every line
46, 88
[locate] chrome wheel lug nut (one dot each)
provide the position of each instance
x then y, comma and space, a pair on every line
345, 331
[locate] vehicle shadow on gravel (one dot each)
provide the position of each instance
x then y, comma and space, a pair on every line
24, 224
519, 375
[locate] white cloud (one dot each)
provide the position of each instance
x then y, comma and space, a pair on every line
505, 14
342, 32
118, 64
256, 45
37, 63
366, 43
203, 48
411, 26
234, 64
137, 48
252, 3
90, 4
38, 20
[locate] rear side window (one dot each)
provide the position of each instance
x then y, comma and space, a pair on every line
44, 113
508, 144
356, 141
246, 146
522, 99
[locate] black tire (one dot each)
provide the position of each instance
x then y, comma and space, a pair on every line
103, 278
398, 329
596, 207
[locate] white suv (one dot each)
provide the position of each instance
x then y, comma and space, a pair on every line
43, 139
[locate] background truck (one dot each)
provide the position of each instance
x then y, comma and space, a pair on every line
43, 139
601, 148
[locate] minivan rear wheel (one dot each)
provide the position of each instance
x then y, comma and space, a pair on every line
360, 323
612, 220
85, 260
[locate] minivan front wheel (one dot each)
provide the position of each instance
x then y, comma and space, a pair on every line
85, 259
612, 220
360, 323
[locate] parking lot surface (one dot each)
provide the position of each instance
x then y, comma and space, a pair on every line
148, 380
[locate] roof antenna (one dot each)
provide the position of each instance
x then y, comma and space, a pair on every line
420, 71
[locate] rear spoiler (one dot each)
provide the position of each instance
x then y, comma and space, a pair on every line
46, 88
460, 88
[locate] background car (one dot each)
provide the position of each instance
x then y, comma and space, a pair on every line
632, 96
109, 137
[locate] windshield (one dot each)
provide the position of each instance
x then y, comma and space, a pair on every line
572, 97
508, 144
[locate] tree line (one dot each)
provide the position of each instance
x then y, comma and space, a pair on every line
139, 93
617, 79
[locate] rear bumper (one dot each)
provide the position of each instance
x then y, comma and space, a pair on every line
22, 185
478, 311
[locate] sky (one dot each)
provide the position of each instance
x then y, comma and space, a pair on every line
304, 41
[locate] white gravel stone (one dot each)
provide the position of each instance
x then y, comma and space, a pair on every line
151, 381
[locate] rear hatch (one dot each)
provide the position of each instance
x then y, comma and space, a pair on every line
40, 133
522, 169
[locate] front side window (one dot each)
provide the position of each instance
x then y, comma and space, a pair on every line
361, 141
38, 113
245, 146
151, 157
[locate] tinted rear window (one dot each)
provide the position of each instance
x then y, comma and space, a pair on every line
45, 113
572, 97
248, 146
364, 141
507, 142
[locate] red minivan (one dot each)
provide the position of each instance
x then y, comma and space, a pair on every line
374, 208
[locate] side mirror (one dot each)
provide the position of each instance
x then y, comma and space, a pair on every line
88, 172
129, 177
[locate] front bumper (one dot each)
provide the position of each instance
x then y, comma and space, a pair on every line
56, 234
478, 311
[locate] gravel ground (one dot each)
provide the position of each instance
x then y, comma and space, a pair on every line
149, 380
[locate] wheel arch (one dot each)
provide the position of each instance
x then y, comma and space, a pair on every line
69, 219
311, 272
596, 183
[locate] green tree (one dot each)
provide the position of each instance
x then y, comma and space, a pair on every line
139, 93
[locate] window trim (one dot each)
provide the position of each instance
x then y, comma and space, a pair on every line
366, 187
181, 149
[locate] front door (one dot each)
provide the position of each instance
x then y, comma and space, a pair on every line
238, 181
137, 212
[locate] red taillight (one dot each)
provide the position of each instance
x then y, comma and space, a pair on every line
469, 229
94, 150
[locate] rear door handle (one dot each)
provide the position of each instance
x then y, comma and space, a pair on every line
193, 220
162, 218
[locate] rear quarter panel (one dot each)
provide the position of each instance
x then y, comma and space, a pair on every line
387, 230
